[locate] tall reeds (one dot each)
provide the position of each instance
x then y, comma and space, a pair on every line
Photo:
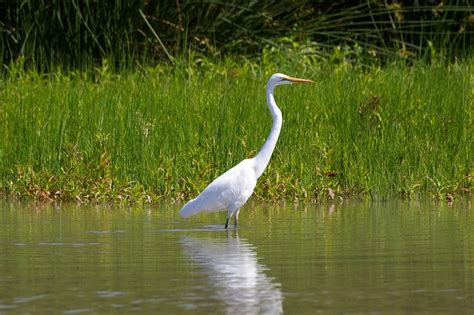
81, 33
378, 132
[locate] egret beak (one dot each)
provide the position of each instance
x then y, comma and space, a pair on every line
296, 80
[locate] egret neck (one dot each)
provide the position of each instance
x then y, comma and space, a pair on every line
263, 157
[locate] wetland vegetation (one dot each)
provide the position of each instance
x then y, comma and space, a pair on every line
162, 133
146, 118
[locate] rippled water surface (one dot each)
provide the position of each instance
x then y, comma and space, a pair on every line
355, 257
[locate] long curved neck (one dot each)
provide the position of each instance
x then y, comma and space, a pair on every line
263, 157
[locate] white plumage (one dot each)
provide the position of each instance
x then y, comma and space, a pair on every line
231, 190
228, 191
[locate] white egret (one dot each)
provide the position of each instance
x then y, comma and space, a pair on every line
231, 190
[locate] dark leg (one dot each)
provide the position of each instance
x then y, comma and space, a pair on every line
227, 222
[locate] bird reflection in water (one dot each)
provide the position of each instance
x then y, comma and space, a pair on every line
236, 277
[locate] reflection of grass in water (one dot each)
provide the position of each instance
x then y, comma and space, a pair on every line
142, 136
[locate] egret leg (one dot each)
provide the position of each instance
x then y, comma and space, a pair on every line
227, 222
236, 218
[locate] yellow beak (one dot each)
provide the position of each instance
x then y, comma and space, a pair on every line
296, 80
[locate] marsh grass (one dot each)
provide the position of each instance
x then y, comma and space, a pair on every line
79, 34
163, 133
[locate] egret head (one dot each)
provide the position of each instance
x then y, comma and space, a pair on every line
280, 78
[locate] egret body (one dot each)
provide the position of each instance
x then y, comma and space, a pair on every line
231, 190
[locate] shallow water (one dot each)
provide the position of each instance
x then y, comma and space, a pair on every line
356, 257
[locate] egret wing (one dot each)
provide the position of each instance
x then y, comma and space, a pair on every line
229, 190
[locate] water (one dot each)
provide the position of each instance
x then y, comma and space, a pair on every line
342, 258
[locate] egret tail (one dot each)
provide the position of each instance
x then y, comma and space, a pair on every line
190, 208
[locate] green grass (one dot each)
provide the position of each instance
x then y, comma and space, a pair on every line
165, 133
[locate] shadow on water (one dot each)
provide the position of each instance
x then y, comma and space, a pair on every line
234, 274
